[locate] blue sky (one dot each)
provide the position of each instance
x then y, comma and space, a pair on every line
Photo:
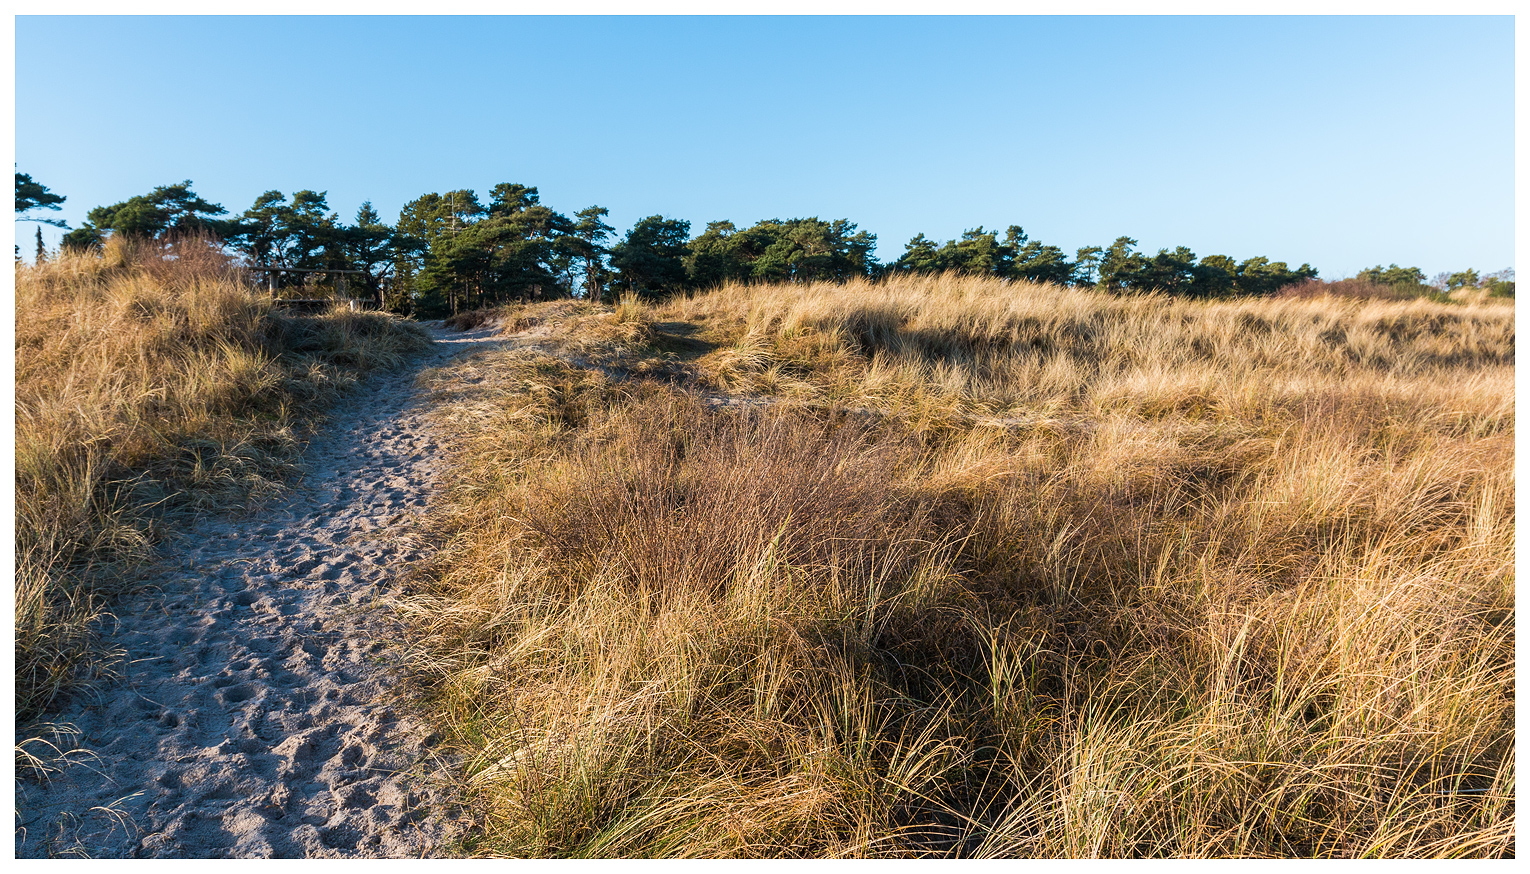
1340, 141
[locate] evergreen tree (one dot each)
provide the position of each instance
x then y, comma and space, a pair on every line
32, 195
1030, 260
1086, 265
794, 250
586, 242
259, 234
715, 258
808, 250
1403, 277
980, 252
302, 233
1177, 272
650, 260
426, 226
476, 255
1260, 276
1453, 281
431, 217
1119, 263
977, 253
1215, 276
920, 255
167, 211
368, 247
1169, 271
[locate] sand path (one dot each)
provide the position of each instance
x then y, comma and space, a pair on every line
254, 716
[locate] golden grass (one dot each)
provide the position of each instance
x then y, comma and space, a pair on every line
147, 386
1009, 570
995, 347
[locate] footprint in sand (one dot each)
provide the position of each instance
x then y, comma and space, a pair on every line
253, 717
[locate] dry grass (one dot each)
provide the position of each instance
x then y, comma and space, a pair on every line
148, 386
1009, 570
986, 346
1354, 287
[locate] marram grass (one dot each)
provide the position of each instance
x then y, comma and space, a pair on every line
149, 383
1000, 570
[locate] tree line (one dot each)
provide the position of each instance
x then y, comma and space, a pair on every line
452, 251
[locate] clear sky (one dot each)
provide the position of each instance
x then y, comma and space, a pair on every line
1340, 141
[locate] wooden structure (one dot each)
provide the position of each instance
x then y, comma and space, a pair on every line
342, 288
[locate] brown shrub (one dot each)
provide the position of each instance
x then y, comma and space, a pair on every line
1355, 287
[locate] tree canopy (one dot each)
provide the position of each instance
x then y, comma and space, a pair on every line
794, 250
1118, 267
453, 250
32, 195
300, 233
167, 210
651, 260
586, 244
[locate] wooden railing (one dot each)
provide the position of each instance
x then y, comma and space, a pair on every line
342, 289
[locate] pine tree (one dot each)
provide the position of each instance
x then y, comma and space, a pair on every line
650, 259
587, 241
32, 195
42, 251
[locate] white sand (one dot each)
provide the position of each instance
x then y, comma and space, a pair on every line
254, 718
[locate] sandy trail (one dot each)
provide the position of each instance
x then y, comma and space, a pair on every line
253, 719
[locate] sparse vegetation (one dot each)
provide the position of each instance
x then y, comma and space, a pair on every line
150, 381
994, 569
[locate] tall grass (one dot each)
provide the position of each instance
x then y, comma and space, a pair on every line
150, 382
1007, 570
987, 345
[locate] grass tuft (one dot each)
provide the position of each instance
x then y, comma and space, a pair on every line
953, 567
150, 383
